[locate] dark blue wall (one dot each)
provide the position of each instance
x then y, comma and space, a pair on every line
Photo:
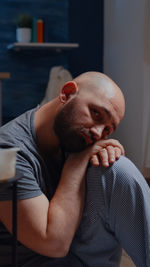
29, 69
86, 28
78, 21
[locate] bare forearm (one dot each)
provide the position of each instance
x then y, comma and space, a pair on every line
64, 216
65, 209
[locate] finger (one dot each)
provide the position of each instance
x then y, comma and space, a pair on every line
117, 153
112, 142
95, 161
118, 145
121, 149
111, 154
104, 157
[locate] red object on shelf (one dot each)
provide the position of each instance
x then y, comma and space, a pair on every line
40, 38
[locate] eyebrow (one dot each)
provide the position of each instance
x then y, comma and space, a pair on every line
108, 114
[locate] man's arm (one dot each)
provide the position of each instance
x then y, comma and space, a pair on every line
49, 227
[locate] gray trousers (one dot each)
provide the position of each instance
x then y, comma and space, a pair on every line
116, 216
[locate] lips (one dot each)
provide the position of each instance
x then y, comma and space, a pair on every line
87, 138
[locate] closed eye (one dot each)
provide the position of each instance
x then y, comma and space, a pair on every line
107, 130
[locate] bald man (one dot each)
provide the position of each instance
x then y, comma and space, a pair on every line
71, 213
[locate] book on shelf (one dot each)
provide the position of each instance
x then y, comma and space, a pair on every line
34, 30
40, 29
37, 30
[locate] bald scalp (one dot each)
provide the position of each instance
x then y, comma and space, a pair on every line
96, 80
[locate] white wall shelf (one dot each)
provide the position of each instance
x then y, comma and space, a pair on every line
57, 47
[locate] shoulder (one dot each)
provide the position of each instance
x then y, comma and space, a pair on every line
18, 131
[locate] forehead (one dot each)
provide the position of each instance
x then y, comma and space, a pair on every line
93, 95
101, 85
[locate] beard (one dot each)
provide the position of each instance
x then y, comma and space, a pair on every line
69, 135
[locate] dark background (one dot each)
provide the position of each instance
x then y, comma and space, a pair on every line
67, 21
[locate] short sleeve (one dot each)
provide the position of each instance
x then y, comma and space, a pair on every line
27, 185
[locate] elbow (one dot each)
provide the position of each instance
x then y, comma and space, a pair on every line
62, 253
61, 250
57, 244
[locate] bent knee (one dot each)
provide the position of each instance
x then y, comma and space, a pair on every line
123, 176
125, 169
122, 172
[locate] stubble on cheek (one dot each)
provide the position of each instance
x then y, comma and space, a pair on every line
72, 134
69, 136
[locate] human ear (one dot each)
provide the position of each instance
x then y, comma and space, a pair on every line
70, 88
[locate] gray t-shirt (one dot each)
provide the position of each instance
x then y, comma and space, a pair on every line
37, 174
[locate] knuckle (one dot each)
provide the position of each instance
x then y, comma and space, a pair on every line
96, 149
118, 151
102, 150
110, 147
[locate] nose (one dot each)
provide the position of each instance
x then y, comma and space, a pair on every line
97, 131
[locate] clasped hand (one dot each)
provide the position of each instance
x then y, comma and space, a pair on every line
106, 152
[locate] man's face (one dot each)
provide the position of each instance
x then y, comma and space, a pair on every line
84, 120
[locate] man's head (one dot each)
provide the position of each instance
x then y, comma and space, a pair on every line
92, 106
